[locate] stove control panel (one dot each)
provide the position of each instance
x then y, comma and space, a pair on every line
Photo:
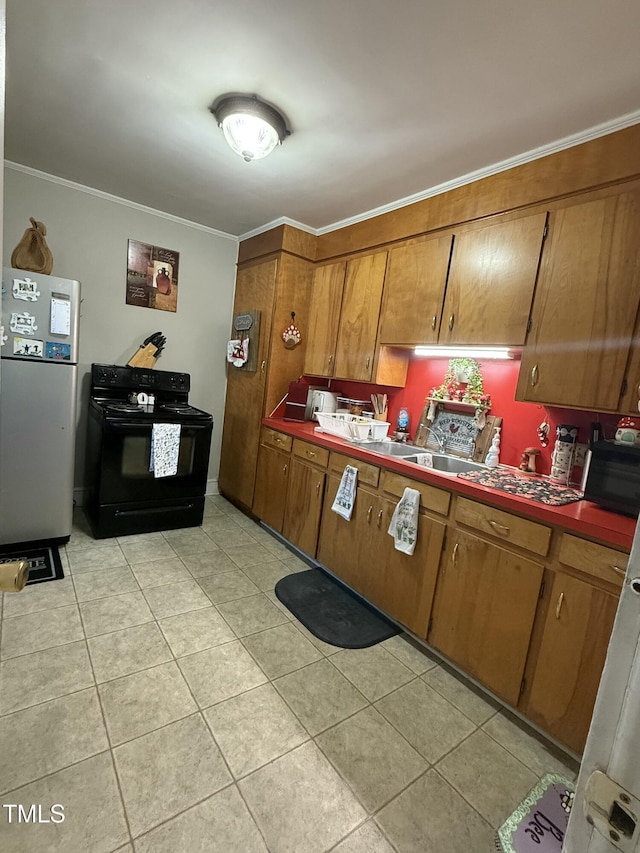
137, 378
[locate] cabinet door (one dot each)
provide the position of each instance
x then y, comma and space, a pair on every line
491, 282
324, 318
271, 486
304, 505
483, 612
359, 317
344, 545
577, 627
414, 292
401, 584
585, 306
255, 289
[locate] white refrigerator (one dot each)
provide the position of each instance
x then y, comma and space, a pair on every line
39, 365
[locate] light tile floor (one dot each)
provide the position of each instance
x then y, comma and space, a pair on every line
163, 695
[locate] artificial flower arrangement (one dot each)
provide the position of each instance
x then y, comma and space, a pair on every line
463, 372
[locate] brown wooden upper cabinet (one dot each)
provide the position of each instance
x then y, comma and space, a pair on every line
491, 283
324, 319
414, 291
358, 331
585, 306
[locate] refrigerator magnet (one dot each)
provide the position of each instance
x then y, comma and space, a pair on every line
28, 346
3, 338
61, 352
22, 323
25, 289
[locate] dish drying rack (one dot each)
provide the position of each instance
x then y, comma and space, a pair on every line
351, 427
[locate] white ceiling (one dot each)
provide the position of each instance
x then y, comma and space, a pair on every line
385, 99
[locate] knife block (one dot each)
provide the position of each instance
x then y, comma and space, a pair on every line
144, 356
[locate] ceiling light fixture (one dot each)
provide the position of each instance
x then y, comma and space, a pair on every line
252, 127
469, 352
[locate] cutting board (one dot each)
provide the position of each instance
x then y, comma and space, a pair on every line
483, 441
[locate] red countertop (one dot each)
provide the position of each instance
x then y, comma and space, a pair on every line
581, 517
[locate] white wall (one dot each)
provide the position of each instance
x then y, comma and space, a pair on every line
88, 235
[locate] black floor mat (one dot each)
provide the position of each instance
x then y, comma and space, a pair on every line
44, 562
331, 612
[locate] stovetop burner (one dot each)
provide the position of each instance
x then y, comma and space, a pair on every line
179, 408
122, 406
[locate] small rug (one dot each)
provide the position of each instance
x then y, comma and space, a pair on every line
44, 562
535, 488
331, 612
539, 823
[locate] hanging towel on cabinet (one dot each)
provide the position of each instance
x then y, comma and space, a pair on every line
346, 494
404, 522
165, 449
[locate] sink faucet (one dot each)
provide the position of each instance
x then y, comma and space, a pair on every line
440, 437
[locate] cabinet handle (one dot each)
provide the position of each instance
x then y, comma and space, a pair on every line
311, 454
380, 518
330, 359
534, 374
262, 366
452, 318
454, 555
284, 469
318, 489
619, 570
277, 440
499, 528
434, 320
369, 511
559, 605
367, 362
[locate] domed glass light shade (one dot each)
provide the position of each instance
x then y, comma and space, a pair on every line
252, 127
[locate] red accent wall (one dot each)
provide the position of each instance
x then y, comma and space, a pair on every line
520, 421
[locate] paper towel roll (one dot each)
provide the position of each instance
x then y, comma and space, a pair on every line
14, 575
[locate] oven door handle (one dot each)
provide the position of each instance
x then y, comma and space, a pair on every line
148, 424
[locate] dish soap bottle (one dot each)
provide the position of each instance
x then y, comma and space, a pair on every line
493, 456
402, 427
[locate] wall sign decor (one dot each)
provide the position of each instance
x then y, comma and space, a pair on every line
152, 276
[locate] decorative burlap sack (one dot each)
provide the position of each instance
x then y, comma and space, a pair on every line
32, 252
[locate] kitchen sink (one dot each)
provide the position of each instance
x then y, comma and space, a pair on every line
447, 464
392, 448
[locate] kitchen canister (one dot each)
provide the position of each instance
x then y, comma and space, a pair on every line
562, 459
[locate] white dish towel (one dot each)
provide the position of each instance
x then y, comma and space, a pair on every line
346, 494
165, 448
404, 522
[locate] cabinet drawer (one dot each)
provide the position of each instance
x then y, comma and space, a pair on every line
311, 452
597, 560
504, 526
271, 438
431, 498
368, 475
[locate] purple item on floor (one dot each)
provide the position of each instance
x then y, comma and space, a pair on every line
539, 823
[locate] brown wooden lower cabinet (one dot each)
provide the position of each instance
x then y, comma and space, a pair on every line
484, 610
568, 656
344, 546
304, 506
361, 552
272, 479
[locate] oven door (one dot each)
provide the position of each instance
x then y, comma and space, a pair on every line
126, 457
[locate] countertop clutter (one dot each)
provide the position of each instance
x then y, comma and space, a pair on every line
581, 517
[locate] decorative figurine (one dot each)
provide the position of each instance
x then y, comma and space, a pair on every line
528, 463
493, 456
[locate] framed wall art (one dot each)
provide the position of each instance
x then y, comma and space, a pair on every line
152, 276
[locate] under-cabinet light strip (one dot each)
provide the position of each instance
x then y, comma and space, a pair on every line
468, 352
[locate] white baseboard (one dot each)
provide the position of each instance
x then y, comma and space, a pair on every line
212, 487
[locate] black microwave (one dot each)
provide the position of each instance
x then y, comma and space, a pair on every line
612, 479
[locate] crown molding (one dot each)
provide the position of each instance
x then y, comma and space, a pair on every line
63, 182
535, 154
282, 220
